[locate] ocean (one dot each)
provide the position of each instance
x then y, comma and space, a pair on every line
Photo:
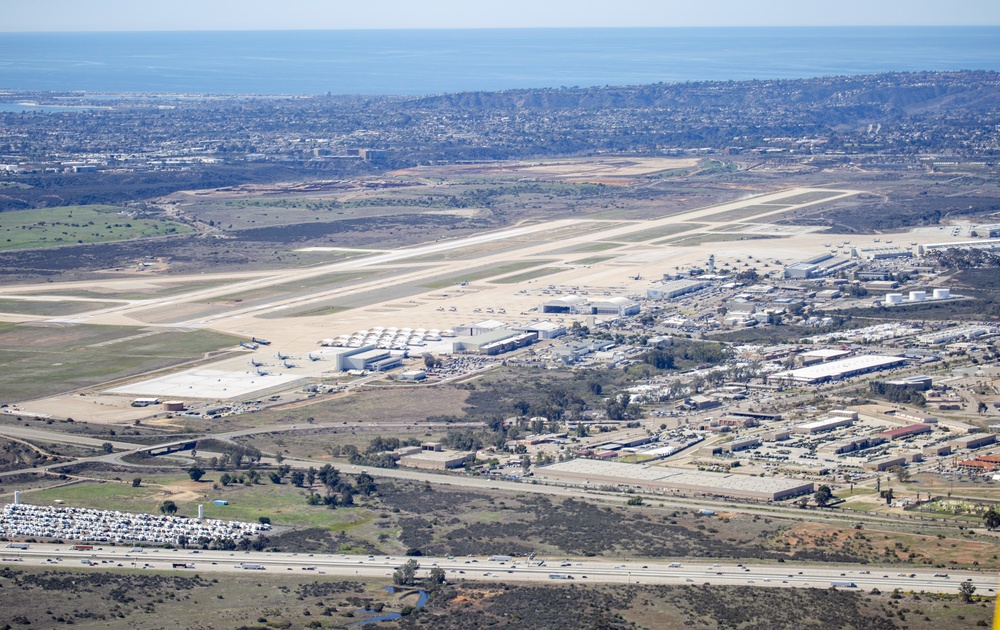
410, 62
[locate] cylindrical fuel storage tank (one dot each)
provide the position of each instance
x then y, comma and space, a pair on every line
942, 294
893, 298
918, 296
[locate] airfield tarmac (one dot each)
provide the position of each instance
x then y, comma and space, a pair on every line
440, 285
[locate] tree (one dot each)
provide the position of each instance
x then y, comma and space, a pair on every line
634, 501
992, 519
823, 495
887, 495
107, 447
182, 541
275, 478
225, 479
966, 589
168, 507
136, 482
406, 574
365, 483
437, 576
298, 478
902, 473
264, 520
195, 473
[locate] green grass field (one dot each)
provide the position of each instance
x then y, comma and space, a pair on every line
49, 308
71, 225
746, 212
593, 260
482, 274
699, 239
586, 249
666, 230
325, 281
283, 503
528, 275
42, 361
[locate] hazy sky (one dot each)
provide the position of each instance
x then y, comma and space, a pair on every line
140, 15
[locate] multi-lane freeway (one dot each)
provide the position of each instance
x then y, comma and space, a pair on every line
787, 575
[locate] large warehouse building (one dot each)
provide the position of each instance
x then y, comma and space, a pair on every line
844, 368
591, 471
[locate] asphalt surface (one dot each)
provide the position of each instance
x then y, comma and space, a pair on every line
481, 568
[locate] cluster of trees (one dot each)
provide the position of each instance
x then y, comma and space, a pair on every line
337, 490
965, 258
247, 478
406, 574
377, 453
233, 455
686, 354
899, 394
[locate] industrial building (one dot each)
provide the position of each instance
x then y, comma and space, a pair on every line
882, 253
568, 304
908, 431
821, 265
822, 355
495, 342
413, 375
577, 305
588, 471
544, 329
670, 289
479, 328
376, 360
919, 383
970, 332
937, 450
730, 447
974, 441
851, 445
983, 244
885, 463
840, 369
824, 425
617, 306
432, 457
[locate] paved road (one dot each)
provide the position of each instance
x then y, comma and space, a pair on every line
43, 435
787, 575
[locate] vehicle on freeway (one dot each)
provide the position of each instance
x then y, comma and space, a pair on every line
560, 576
843, 584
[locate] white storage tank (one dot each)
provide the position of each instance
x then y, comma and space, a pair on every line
942, 294
918, 296
893, 298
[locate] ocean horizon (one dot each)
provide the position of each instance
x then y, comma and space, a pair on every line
415, 62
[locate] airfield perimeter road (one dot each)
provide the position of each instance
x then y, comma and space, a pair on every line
787, 575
